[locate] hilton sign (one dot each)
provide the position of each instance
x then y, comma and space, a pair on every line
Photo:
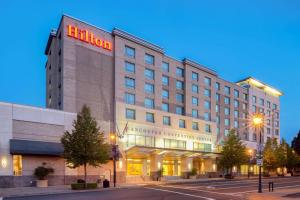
88, 37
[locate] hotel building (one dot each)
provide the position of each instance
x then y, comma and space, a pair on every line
171, 115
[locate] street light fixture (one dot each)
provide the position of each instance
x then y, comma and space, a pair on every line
258, 124
114, 150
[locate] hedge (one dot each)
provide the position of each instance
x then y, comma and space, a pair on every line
81, 186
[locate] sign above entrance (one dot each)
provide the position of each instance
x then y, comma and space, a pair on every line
88, 37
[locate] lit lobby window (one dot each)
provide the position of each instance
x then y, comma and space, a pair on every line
17, 165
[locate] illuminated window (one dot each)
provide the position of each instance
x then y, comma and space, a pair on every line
17, 165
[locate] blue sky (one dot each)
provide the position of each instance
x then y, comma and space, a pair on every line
236, 38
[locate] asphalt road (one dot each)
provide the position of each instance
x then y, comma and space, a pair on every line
210, 190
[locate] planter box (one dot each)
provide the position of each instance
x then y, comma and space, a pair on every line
42, 183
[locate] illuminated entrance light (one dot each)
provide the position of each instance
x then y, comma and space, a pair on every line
4, 162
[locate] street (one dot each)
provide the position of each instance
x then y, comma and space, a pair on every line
209, 190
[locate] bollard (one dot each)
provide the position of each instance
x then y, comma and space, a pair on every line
271, 186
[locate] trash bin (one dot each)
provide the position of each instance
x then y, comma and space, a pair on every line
105, 183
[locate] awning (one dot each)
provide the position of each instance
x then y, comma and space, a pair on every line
27, 147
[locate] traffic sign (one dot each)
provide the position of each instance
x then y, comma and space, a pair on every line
259, 162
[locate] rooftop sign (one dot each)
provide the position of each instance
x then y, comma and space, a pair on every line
88, 37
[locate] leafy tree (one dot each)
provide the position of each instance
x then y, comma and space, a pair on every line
281, 154
292, 159
233, 152
269, 157
296, 143
85, 144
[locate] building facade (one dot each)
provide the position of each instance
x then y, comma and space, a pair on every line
171, 116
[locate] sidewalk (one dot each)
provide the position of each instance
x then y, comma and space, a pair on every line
293, 193
60, 189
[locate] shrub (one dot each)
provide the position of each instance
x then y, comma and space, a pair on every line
193, 172
81, 186
42, 171
266, 174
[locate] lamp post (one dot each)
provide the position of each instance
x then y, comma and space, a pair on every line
258, 124
114, 150
250, 154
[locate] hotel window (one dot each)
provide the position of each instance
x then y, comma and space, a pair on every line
202, 147
179, 72
165, 80
268, 122
129, 83
149, 103
268, 131
149, 73
179, 98
149, 59
245, 96
207, 81
195, 101
139, 140
261, 102
274, 106
130, 98
236, 114
165, 107
236, 93
217, 97
195, 126
261, 110
253, 108
165, 67
276, 123
268, 104
227, 90
244, 115
130, 113
217, 86
129, 67
244, 106
207, 116
226, 132
227, 100
149, 117
227, 122
254, 137
227, 111
179, 110
236, 124
174, 144
194, 76
268, 113
217, 108
181, 123
165, 94
254, 99
207, 92
166, 120
276, 132
17, 165
277, 115
236, 103
149, 88
218, 121
207, 105
195, 88
207, 128
129, 52
194, 113
179, 85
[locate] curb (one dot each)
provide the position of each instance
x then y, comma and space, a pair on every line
68, 192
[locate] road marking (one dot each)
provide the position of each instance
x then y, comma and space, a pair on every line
207, 191
265, 189
170, 191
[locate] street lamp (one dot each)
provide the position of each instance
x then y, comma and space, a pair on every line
114, 150
258, 124
250, 154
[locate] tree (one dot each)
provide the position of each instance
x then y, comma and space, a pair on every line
233, 152
269, 156
85, 144
281, 155
296, 143
292, 159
